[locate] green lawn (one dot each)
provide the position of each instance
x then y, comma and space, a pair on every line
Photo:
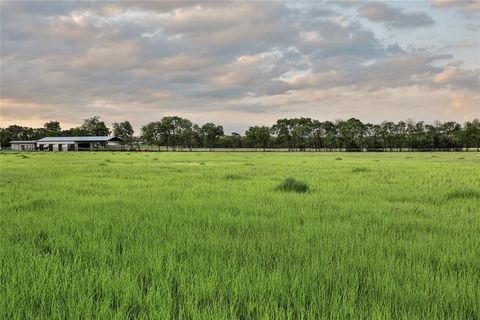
210, 236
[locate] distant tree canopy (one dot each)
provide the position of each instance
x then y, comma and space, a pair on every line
94, 127
258, 137
125, 131
175, 132
53, 127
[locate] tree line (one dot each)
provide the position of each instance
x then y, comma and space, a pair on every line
174, 132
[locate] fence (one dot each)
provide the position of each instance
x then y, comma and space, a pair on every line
164, 149
145, 148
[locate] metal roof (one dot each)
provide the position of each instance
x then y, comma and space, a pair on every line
23, 141
80, 139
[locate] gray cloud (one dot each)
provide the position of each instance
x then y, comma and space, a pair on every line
393, 16
140, 60
469, 8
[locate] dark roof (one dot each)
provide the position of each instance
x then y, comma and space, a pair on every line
81, 139
23, 141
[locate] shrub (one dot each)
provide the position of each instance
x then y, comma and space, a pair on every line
293, 185
463, 194
232, 177
360, 169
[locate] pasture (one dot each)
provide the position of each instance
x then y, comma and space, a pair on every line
218, 236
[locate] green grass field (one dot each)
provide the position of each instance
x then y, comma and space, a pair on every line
211, 236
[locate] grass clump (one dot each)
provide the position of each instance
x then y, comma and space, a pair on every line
464, 194
231, 176
338, 158
293, 185
360, 170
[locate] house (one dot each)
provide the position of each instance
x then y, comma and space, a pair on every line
76, 143
23, 145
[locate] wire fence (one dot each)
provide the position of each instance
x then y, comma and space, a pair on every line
146, 148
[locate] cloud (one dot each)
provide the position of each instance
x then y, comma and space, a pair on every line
393, 16
469, 8
141, 60
327, 38
458, 78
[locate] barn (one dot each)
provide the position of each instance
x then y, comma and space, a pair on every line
23, 145
76, 143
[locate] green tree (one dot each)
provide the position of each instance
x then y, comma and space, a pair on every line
53, 127
283, 131
124, 130
184, 131
15, 132
258, 137
301, 130
235, 140
450, 135
211, 134
152, 134
470, 136
176, 131
94, 127
351, 133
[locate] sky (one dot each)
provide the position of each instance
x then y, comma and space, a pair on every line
238, 64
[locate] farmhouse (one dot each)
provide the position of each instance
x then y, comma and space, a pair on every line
65, 143
75, 143
23, 145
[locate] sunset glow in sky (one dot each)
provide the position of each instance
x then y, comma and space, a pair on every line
239, 63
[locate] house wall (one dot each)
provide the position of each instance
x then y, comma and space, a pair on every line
55, 146
72, 145
23, 146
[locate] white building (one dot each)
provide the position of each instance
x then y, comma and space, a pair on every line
75, 143
65, 143
23, 145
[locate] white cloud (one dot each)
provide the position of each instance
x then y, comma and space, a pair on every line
141, 59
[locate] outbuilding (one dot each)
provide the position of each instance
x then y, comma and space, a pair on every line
76, 143
23, 145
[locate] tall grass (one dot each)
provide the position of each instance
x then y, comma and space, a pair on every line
132, 238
